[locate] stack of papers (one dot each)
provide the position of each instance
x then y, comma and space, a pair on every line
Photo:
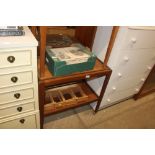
72, 55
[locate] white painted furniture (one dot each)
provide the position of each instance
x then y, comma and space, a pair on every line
19, 107
131, 60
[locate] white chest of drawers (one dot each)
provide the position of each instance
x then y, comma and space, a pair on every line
131, 60
19, 107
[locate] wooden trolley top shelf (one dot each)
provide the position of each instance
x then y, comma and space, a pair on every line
98, 71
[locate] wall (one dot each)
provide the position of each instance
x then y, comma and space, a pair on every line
101, 41
100, 46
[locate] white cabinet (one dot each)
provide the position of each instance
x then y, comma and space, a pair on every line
138, 38
131, 60
19, 107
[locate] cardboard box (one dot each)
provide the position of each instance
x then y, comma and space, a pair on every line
68, 60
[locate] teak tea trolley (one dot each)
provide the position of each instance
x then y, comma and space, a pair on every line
85, 35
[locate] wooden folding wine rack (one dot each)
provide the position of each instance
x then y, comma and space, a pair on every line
62, 97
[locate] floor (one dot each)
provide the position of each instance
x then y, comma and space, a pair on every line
129, 114
150, 84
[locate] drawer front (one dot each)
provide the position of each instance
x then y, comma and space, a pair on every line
15, 58
121, 84
28, 122
16, 95
135, 39
14, 79
131, 63
114, 97
15, 110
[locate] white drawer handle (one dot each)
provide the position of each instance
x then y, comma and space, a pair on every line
137, 90
126, 59
11, 59
108, 100
149, 68
133, 40
113, 88
119, 74
142, 79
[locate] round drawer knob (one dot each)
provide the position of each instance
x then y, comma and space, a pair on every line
17, 95
22, 121
133, 40
119, 74
108, 100
142, 79
113, 88
19, 109
126, 59
136, 90
11, 59
14, 79
149, 67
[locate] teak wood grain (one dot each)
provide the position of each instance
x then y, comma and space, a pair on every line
105, 83
85, 35
41, 102
111, 44
34, 29
42, 31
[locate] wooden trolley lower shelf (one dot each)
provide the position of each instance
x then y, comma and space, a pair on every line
70, 96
